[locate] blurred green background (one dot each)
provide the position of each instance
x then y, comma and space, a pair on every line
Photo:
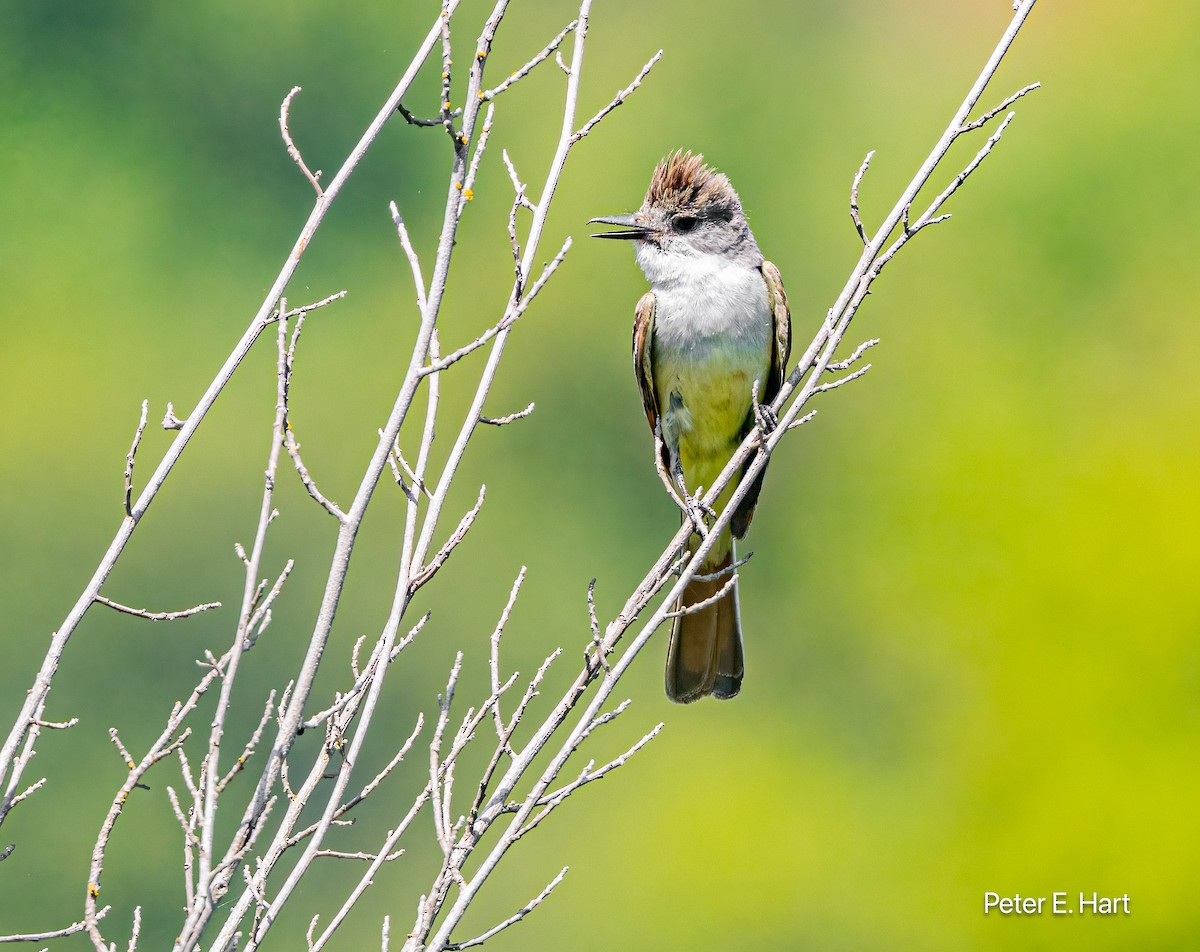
972, 614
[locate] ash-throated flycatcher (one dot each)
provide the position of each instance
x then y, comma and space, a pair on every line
714, 322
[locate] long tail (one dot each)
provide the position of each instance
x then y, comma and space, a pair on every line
705, 653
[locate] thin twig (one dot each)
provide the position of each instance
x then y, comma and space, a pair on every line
839, 365
694, 607
72, 929
137, 439
501, 421
157, 616
511, 920
538, 58
293, 448
619, 98
858, 177
997, 109
834, 384
429, 570
313, 177
309, 308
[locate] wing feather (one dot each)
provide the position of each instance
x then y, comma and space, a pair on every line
643, 368
782, 338
781, 349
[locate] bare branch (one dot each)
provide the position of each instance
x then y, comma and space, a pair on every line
369, 788
460, 533
313, 177
260, 615
927, 218
802, 420
251, 744
520, 200
839, 365
858, 177
996, 110
525, 70
170, 421
598, 655
300, 312
834, 384
156, 616
56, 725
136, 931
619, 98
340, 854
441, 805
511, 920
293, 448
497, 633
501, 421
711, 600
411, 254
547, 273
725, 572
417, 121
23, 795
588, 775
137, 439
477, 155
72, 929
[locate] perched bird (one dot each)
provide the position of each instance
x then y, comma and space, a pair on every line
714, 323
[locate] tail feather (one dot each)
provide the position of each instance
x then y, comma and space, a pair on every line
705, 652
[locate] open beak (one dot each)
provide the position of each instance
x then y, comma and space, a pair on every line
633, 227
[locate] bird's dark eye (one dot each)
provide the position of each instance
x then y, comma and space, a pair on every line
685, 223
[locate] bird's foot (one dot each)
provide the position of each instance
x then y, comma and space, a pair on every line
765, 419
692, 506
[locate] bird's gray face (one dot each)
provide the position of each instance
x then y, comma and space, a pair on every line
691, 218
686, 230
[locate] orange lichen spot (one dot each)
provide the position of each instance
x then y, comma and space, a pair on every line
446, 104
93, 890
469, 194
482, 54
458, 185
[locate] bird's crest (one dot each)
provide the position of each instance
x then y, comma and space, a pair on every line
683, 182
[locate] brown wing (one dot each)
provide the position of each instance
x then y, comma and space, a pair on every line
643, 367
781, 349
643, 370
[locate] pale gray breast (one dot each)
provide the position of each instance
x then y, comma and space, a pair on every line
706, 313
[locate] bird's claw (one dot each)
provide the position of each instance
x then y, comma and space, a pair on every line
695, 514
765, 418
692, 506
